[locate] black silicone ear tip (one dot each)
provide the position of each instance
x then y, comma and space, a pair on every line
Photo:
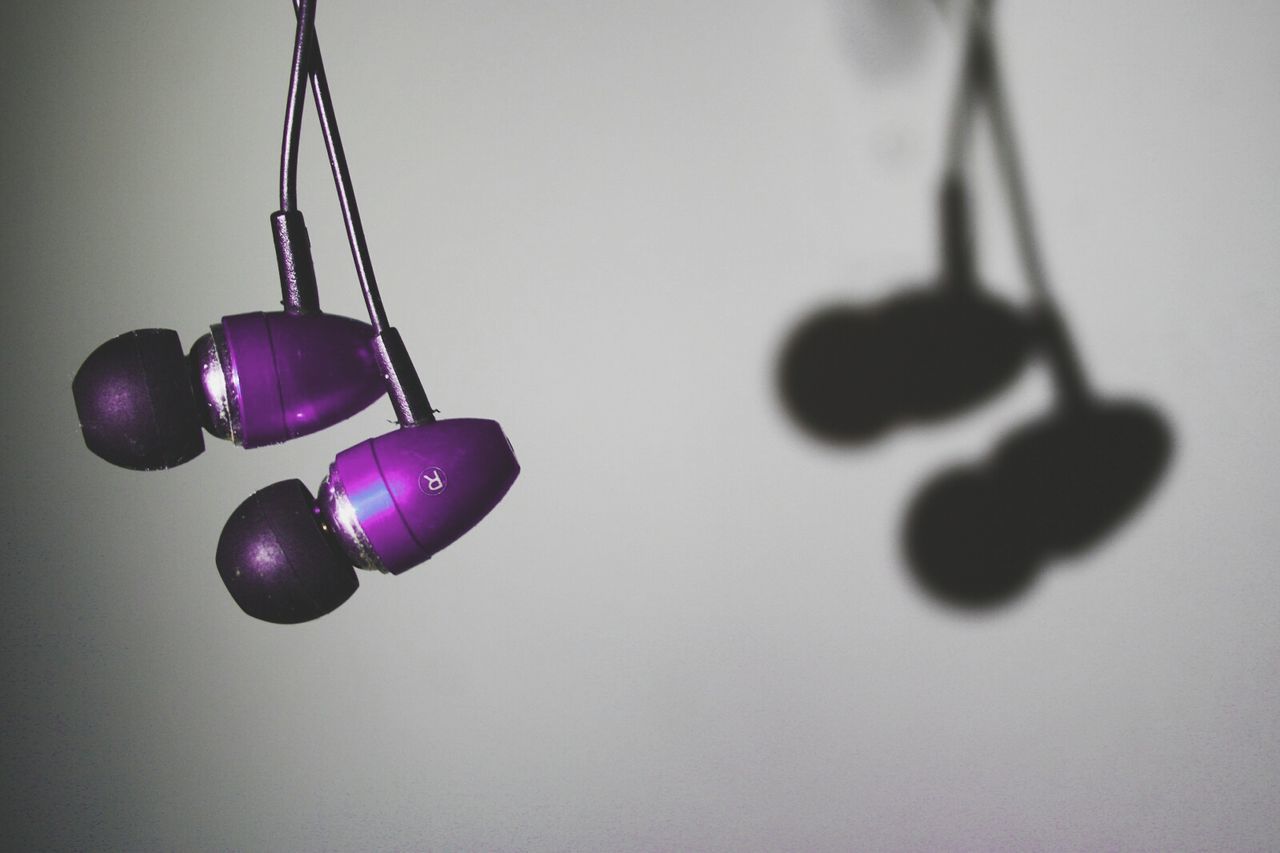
964, 543
277, 563
136, 403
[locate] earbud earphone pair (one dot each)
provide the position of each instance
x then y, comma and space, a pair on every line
977, 535
388, 503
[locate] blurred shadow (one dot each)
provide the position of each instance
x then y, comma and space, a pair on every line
849, 373
976, 536
887, 38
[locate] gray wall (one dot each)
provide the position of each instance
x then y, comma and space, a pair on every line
688, 626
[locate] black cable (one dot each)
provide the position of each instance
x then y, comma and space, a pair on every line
342, 181
293, 108
404, 387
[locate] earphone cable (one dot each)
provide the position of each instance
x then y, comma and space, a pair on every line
342, 180
404, 386
293, 107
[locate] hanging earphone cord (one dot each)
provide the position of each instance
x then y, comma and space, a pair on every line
306, 10
404, 387
307, 58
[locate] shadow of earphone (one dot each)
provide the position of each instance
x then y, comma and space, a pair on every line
976, 536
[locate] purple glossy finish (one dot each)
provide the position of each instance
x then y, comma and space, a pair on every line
277, 563
417, 489
136, 403
296, 374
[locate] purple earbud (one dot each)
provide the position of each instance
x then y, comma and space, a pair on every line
136, 402
254, 379
388, 503
278, 563
271, 377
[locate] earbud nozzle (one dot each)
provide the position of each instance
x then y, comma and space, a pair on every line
277, 563
136, 403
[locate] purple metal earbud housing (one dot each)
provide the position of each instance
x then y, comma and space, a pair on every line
395, 500
270, 377
254, 379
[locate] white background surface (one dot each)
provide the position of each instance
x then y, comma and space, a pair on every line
687, 626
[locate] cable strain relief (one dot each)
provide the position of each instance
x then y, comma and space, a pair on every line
298, 290
403, 385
